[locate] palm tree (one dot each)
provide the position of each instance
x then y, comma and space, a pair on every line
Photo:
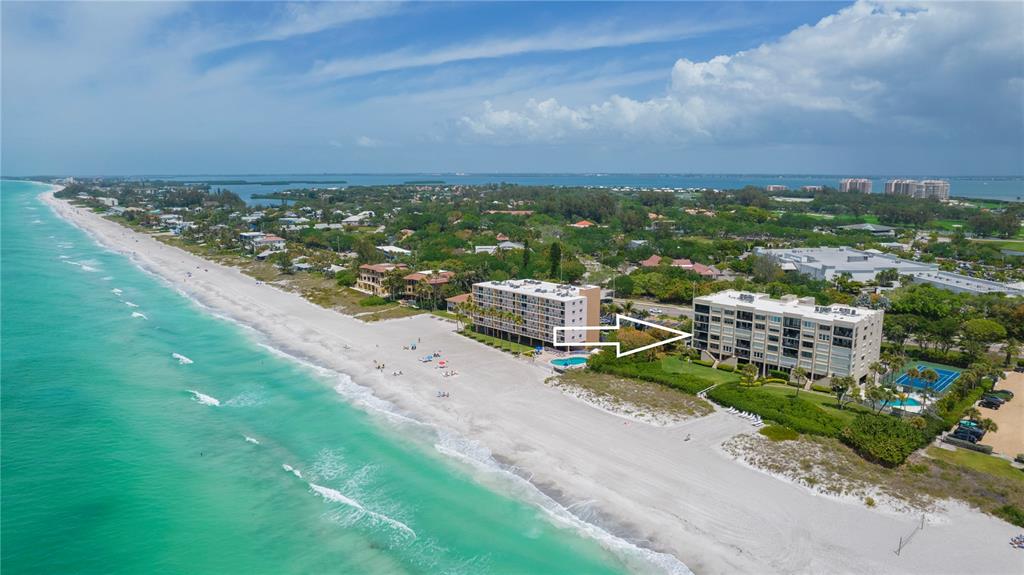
878, 369
627, 308
930, 377
518, 321
988, 425
972, 413
1012, 348
800, 375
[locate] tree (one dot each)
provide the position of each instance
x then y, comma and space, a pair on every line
880, 396
800, 375
748, 374
394, 282
972, 413
983, 331
987, 425
526, 255
1012, 348
841, 387
930, 376
555, 260
765, 270
630, 338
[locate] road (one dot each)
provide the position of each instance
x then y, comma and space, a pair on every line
670, 310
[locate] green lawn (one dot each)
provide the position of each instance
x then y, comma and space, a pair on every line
1004, 244
826, 402
675, 364
978, 462
947, 225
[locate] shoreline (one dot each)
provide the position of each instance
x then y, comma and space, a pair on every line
652, 489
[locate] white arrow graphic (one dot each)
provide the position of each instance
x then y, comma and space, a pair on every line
680, 335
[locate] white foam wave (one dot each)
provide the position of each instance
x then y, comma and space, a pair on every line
116, 291
139, 315
181, 359
246, 399
86, 268
64, 257
252, 440
130, 304
335, 496
291, 470
37, 221
203, 398
107, 278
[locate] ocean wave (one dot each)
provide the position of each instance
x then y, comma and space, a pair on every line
252, 440
139, 315
37, 221
64, 257
335, 496
291, 470
130, 304
116, 291
247, 399
203, 398
181, 359
107, 278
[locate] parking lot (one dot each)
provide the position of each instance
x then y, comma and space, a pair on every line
1009, 440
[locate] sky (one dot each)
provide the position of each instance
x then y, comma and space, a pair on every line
135, 88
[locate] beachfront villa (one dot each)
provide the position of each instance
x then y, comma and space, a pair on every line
434, 278
371, 278
529, 310
788, 332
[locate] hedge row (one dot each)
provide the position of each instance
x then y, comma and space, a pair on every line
793, 412
704, 362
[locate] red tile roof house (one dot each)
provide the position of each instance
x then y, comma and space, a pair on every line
456, 300
700, 269
582, 224
435, 279
501, 238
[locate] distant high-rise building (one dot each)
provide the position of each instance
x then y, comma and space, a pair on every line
931, 189
860, 185
936, 189
775, 188
812, 188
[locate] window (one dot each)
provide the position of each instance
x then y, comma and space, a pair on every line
729, 321
806, 354
730, 312
824, 327
759, 317
715, 337
773, 348
758, 326
758, 355
775, 319
773, 338
824, 337
809, 324
808, 344
726, 348
716, 319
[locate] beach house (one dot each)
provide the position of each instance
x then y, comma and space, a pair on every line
372, 277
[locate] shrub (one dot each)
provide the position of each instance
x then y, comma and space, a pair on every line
917, 468
373, 300
1019, 458
778, 433
822, 388
869, 501
883, 439
1012, 514
346, 278
704, 362
774, 380
793, 412
724, 367
778, 373
793, 383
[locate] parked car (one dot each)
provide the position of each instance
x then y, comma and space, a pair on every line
968, 423
958, 434
990, 404
977, 433
1004, 394
1019, 369
990, 397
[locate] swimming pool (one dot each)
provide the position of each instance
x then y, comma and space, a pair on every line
568, 361
908, 402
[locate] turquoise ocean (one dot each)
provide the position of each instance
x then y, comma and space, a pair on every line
118, 457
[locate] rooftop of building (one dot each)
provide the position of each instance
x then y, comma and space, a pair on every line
960, 281
805, 307
550, 290
844, 257
382, 268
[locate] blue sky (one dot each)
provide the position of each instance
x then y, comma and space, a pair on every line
796, 87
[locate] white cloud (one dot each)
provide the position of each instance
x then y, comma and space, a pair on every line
301, 18
556, 40
946, 71
368, 142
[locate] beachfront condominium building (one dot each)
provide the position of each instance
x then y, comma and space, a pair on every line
372, 278
930, 189
859, 185
528, 310
788, 332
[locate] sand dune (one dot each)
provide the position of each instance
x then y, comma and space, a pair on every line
641, 482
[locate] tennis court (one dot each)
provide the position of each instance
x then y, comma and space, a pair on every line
946, 379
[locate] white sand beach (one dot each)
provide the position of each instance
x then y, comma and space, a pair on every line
642, 482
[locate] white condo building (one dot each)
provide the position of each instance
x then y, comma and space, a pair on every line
788, 332
534, 308
861, 185
931, 189
827, 263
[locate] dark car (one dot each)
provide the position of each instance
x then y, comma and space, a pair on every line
990, 397
1004, 394
962, 436
977, 433
988, 404
1019, 369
